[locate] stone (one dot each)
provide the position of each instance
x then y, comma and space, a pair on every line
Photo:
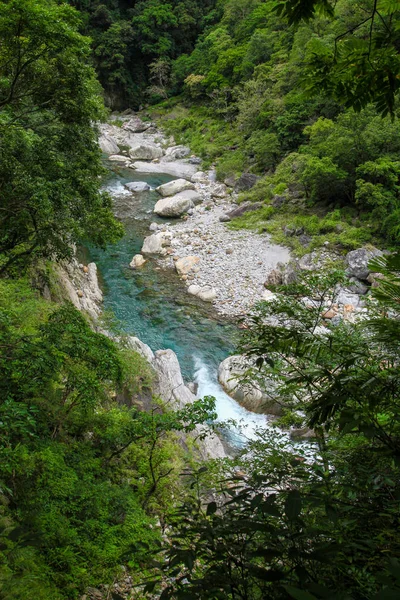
153, 227
137, 262
229, 251
346, 297
118, 158
141, 348
268, 296
246, 182
195, 160
230, 181
176, 153
329, 314
278, 201
357, 287
108, 145
174, 187
207, 294
137, 186
219, 191
136, 125
231, 373
155, 243
145, 151
184, 265
200, 177
224, 219
175, 206
358, 260
194, 289
273, 278
244, 208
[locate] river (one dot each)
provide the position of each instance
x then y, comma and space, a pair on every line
153, 304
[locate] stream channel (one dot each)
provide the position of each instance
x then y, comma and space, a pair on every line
153, 304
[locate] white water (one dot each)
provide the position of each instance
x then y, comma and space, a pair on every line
247, 423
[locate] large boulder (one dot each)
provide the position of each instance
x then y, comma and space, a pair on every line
231, 373
174, 187
176, 153
155, 244
246, 182
137, 262
136, 125
184, 265
137, 186
357, 262
177, 205
108, 145
145, 151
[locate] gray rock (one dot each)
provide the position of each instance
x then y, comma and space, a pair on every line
244, 208
224, 219
278, 201
275, 277
137, 186
357, 287
176, 153
246, 182
145, 151
108, 145
357, 262
136, 125
154, 244
231, 373
207, 294
346, 297
302, 433
200, 177
195, 160
177, 205
174, 187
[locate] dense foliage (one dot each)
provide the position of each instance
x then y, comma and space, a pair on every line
293, 525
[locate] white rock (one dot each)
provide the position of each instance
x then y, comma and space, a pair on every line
177, 205
219, 191
200, 177
145, 151
137, 186
184, 265
141, 348
137, 261
268, 295
176, 153
119, 158
154, 244
207, 294
345, 297
153, 227
174, 187
108, 145
194, 289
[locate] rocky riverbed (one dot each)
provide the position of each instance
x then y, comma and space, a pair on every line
222, 266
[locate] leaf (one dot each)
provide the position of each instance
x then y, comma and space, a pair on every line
299, 594
293, 505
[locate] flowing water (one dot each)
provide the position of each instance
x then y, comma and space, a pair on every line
153, 304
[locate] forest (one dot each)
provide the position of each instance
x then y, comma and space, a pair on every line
303, 94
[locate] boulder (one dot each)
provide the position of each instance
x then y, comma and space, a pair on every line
274, 277
136, 125
194, 290
246, 182
357, 262
119, 158
346, 297
207, 294
219, 191
137, 261
108, 145
200, 177
231, 373
154, 244
145, 151
176, 153
184, 265
174, 187
302, 433
137, 186
224, 219
177, 205
244, 208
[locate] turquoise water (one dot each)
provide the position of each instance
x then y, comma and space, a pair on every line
151, 303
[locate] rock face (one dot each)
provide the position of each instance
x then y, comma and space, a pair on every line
184, 265
246, 182
145, 151
137, 186
155, 244
81, 286
137, 262
108, 145
176, 206
357, 262
170, 387
230, 374
174, 187
176, 153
